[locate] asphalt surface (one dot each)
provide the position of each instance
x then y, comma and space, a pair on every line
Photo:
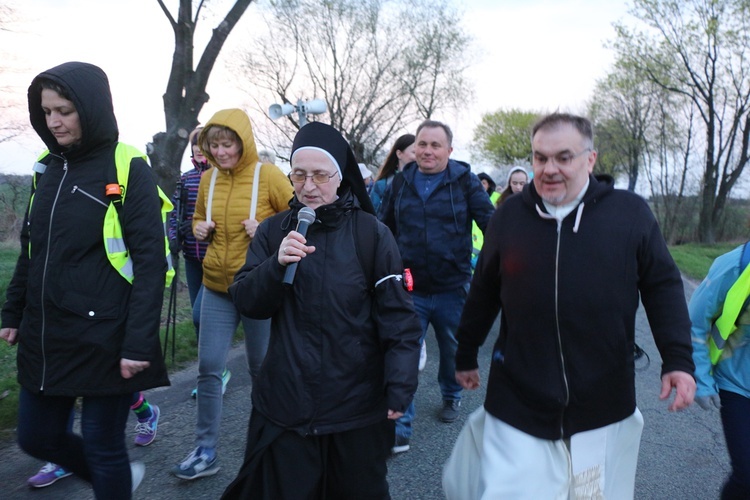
682, 455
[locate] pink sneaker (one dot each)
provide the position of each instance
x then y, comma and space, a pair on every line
145, 431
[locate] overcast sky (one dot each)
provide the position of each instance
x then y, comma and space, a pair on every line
537, 55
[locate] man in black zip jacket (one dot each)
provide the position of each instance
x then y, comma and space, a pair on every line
566, 262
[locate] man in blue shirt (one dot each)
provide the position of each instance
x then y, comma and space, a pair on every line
430, 209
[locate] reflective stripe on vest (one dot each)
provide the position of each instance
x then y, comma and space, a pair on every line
726, 323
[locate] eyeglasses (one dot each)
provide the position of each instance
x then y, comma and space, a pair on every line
563, 159
317, 178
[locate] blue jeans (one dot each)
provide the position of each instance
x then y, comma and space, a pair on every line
734, 418
99, 455
194, 277
219, 320
443, 311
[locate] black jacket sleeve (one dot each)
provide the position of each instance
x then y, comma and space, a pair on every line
480, 206
483, 303
663, 297
397, 324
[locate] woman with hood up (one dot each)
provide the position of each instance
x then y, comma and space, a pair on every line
342, 359
234, 196
82, 329
517, 179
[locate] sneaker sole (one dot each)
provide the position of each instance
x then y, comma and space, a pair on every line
400, 449
51, 482
203, 473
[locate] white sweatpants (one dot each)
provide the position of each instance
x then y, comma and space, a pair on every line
599, 464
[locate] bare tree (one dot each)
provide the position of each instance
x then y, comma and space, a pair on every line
668, 165
376, 77
186, 89
622, 109
699, 49
9, 100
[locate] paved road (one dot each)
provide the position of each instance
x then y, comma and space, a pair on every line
682, 455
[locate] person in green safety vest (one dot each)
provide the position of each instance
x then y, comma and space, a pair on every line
82, 329
725, 384
477, 237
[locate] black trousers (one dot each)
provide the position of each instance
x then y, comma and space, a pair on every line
284, 465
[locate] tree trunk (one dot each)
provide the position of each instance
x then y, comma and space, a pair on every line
186, 88
706, 233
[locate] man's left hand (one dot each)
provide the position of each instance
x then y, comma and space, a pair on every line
684, 385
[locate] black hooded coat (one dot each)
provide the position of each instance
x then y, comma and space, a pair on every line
76, 316
340, 355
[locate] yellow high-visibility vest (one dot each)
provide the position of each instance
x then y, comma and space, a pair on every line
726, 324
112, 234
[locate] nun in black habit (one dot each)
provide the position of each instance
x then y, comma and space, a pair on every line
342, 360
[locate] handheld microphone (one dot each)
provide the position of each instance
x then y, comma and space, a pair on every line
305, 217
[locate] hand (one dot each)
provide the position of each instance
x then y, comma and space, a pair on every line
174, 247
709, 402
684, 385
203, 230
395, 415
251, 225
293, 248
129, 368
468, 379
10, 335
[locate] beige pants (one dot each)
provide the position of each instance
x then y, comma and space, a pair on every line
596, 464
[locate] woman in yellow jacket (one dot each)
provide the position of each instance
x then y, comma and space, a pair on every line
234, 196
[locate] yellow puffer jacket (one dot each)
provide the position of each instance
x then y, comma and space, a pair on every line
231, 201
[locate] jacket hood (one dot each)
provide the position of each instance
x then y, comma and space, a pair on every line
599, 186
237, 120
88, 88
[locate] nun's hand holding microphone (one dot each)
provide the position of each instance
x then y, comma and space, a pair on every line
293, 248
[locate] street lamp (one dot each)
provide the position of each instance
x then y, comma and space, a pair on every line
303, 108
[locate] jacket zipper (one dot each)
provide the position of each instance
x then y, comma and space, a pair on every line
44, 272
557, 327
76, 188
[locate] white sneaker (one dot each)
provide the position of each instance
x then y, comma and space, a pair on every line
137, 471
423, 356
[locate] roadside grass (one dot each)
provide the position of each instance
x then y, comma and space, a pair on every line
693, 260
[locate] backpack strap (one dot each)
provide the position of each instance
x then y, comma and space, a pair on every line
210, 200
256, 186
